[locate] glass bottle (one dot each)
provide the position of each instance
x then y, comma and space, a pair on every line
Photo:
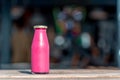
40, 50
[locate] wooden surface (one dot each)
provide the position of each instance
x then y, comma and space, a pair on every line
60, 74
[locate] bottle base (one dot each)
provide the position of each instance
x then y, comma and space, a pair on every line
40, 72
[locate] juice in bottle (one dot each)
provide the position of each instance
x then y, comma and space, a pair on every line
40, 50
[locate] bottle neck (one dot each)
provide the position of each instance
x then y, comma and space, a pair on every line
40, 29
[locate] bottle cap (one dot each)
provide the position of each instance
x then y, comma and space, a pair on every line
40, 26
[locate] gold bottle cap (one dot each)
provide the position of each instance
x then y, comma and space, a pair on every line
40, 26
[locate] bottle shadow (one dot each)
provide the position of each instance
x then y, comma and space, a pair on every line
29, 72
26, 72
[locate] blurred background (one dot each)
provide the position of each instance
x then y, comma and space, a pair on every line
81, 33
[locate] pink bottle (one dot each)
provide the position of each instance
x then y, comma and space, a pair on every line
40, 50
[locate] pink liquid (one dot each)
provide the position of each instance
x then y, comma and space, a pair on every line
40, 52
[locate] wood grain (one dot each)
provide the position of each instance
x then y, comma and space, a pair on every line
61, 74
